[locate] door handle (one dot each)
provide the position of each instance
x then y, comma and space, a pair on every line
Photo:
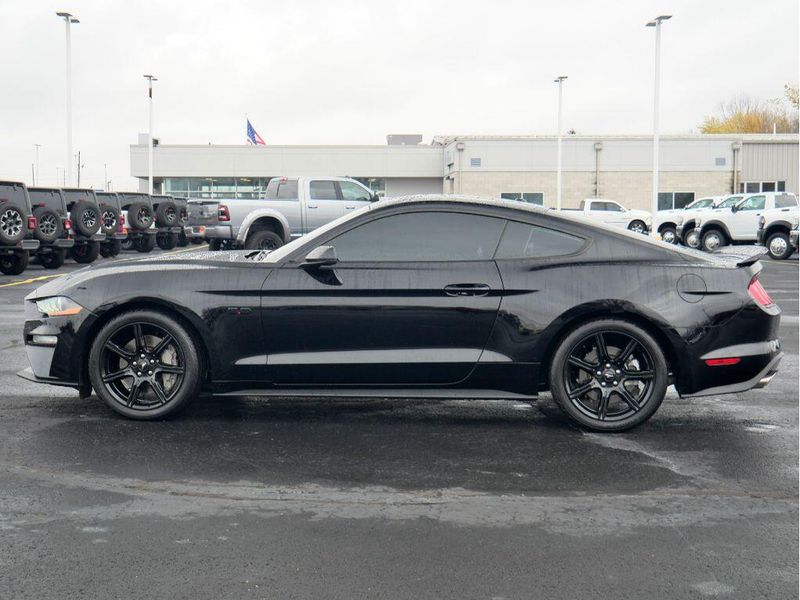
467, 289
350, 207
312, 206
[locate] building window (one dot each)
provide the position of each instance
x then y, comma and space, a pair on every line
757, 187
529, 197
474, 162
673, 200
719, 161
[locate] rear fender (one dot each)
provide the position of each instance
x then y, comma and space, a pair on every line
261, 213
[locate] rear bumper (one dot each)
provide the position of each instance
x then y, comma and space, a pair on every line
219, 232
195, 231
177, 229
757, 381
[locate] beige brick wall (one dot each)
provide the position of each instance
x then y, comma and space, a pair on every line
631, 188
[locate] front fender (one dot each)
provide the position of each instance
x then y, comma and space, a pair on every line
260, 213
715, 223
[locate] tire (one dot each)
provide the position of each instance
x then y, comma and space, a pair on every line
714, 239
669, 235
85, 253
778, 246
54, 259
14, 264
167, 214
166, 240
110, 248
183, 241
85, 217
109, 219
637, 227
140, 216
145, 243
48, 225
601, 406
131, 343
13, 224
215, 245
692, 239
263, 240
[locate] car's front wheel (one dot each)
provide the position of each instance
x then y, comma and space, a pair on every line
145, 365
714, 240
609, 375
669, 235
637, 226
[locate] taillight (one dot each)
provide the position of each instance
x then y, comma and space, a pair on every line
759, 294
223, 214
723, 362
67, 224
121, 228
31, 222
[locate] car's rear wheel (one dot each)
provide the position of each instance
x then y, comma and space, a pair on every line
166, 240
145, 243
263, 240
779, 247
110, 248
145, 365
609, 375
53, 259
14, 264
669, 235
692, 239
85, 253
713, 240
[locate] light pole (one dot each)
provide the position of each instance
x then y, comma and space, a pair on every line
36, 178
150, 80
560, 81
105, 176
654, 200
69, 20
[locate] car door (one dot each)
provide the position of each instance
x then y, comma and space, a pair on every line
354, 196
615, 214
412, 300
323, 204
743, 224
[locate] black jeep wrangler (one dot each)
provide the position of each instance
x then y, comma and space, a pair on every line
112, 223
53, 226
84, 213
137, 209
17, 224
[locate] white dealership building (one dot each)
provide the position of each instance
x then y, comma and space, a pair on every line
606, 166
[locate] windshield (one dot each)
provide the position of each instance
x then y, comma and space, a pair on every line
701, 203
729, 201
286, 250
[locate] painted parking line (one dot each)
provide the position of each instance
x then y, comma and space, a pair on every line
31, 280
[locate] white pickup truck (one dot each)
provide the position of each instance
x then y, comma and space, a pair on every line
612, 212
291, 207
737, 223
668, 222
777, 230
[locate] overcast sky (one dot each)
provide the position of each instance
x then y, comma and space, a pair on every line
349, 72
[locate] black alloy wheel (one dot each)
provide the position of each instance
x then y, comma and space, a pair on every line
14, 264
263, 240
12, 225
53, 259
144, 365
609, 375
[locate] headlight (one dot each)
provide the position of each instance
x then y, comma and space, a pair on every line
761, 221
58, 306
679, 220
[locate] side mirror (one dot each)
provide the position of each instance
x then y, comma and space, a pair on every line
374, 197
734, 208
321, 256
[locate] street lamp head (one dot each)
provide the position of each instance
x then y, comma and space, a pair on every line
64, 15
559, 79
658, 20
150, 77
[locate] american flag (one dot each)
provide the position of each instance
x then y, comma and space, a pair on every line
252, 136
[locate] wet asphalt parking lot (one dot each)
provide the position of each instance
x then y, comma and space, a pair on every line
254, 498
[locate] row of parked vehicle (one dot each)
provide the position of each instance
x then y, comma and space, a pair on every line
53, 223
767, 218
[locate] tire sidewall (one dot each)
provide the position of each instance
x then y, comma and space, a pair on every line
787, 253
76, 216
108, 208
54, 259
86, 253
192, 376
14, 264
41, 212
558, 389
11, 240
254, 240
708, 235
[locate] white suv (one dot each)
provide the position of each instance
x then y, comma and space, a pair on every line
737, 223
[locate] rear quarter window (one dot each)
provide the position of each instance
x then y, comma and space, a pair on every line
49, 198
785, 201
13, 192
521, 240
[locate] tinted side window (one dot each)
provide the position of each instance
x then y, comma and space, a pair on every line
14, 192
281, 189
612, 207
521, 240
785, 201
322, 190
421, 236
49, 198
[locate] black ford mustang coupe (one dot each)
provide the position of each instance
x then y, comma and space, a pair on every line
416, 297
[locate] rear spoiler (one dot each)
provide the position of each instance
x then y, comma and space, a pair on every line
743, 255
